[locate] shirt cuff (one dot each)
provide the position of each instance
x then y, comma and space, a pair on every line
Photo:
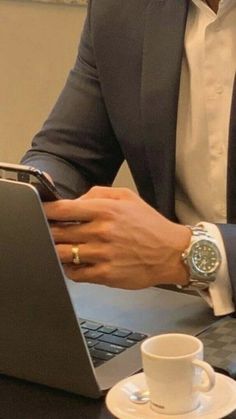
219, 294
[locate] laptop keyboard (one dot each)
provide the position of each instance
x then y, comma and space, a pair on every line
105, 342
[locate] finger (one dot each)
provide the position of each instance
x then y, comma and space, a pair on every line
70, 210
87, 254
81, 232
81, 210
100, 274
69, 232
95, 274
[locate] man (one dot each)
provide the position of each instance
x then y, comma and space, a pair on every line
153, 84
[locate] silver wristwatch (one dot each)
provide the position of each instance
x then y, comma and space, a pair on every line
202, 258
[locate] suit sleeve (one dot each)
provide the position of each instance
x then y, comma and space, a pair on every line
76, 144
228, 232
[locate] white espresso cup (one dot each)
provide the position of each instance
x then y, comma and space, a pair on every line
175, 372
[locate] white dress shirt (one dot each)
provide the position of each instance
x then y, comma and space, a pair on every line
207, 76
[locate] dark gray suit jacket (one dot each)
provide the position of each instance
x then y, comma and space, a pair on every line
120, 102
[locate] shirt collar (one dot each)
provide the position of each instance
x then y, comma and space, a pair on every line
223, 4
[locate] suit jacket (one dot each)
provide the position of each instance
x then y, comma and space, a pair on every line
120, 102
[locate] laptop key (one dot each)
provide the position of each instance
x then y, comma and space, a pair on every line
91, 342
92, 334
126, 343
91, 325
137, 336
122, 333
105, 341
109, 347
97, 362
105, 356
107, 329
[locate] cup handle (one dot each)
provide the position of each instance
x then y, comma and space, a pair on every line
210, 382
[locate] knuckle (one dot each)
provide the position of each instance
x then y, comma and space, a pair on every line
104, 232
111, 216
105, 273
108, 212
109, 253
127, 193
94, 190
101, 253
61, 251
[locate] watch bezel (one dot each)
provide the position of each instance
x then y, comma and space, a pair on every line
195, 269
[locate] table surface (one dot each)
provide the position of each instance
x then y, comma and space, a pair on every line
23, 400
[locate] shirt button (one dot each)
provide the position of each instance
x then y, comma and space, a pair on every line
222, 211
219, 151
217, 27
219, 89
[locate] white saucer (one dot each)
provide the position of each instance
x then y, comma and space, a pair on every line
215, 404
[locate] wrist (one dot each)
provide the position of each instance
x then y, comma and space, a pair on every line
182, 271
176, 272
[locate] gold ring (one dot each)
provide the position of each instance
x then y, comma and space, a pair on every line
75, 255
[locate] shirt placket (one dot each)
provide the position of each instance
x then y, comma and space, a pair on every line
215, 77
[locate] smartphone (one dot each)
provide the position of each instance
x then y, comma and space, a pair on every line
35, 177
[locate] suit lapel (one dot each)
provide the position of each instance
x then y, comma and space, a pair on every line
162, 57
231, 181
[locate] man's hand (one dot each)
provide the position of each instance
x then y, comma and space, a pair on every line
123, 242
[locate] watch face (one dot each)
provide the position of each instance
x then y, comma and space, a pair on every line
205, 257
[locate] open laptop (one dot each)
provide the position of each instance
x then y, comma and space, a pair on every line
48, 323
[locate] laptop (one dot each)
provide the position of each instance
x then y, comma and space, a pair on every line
48, 324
